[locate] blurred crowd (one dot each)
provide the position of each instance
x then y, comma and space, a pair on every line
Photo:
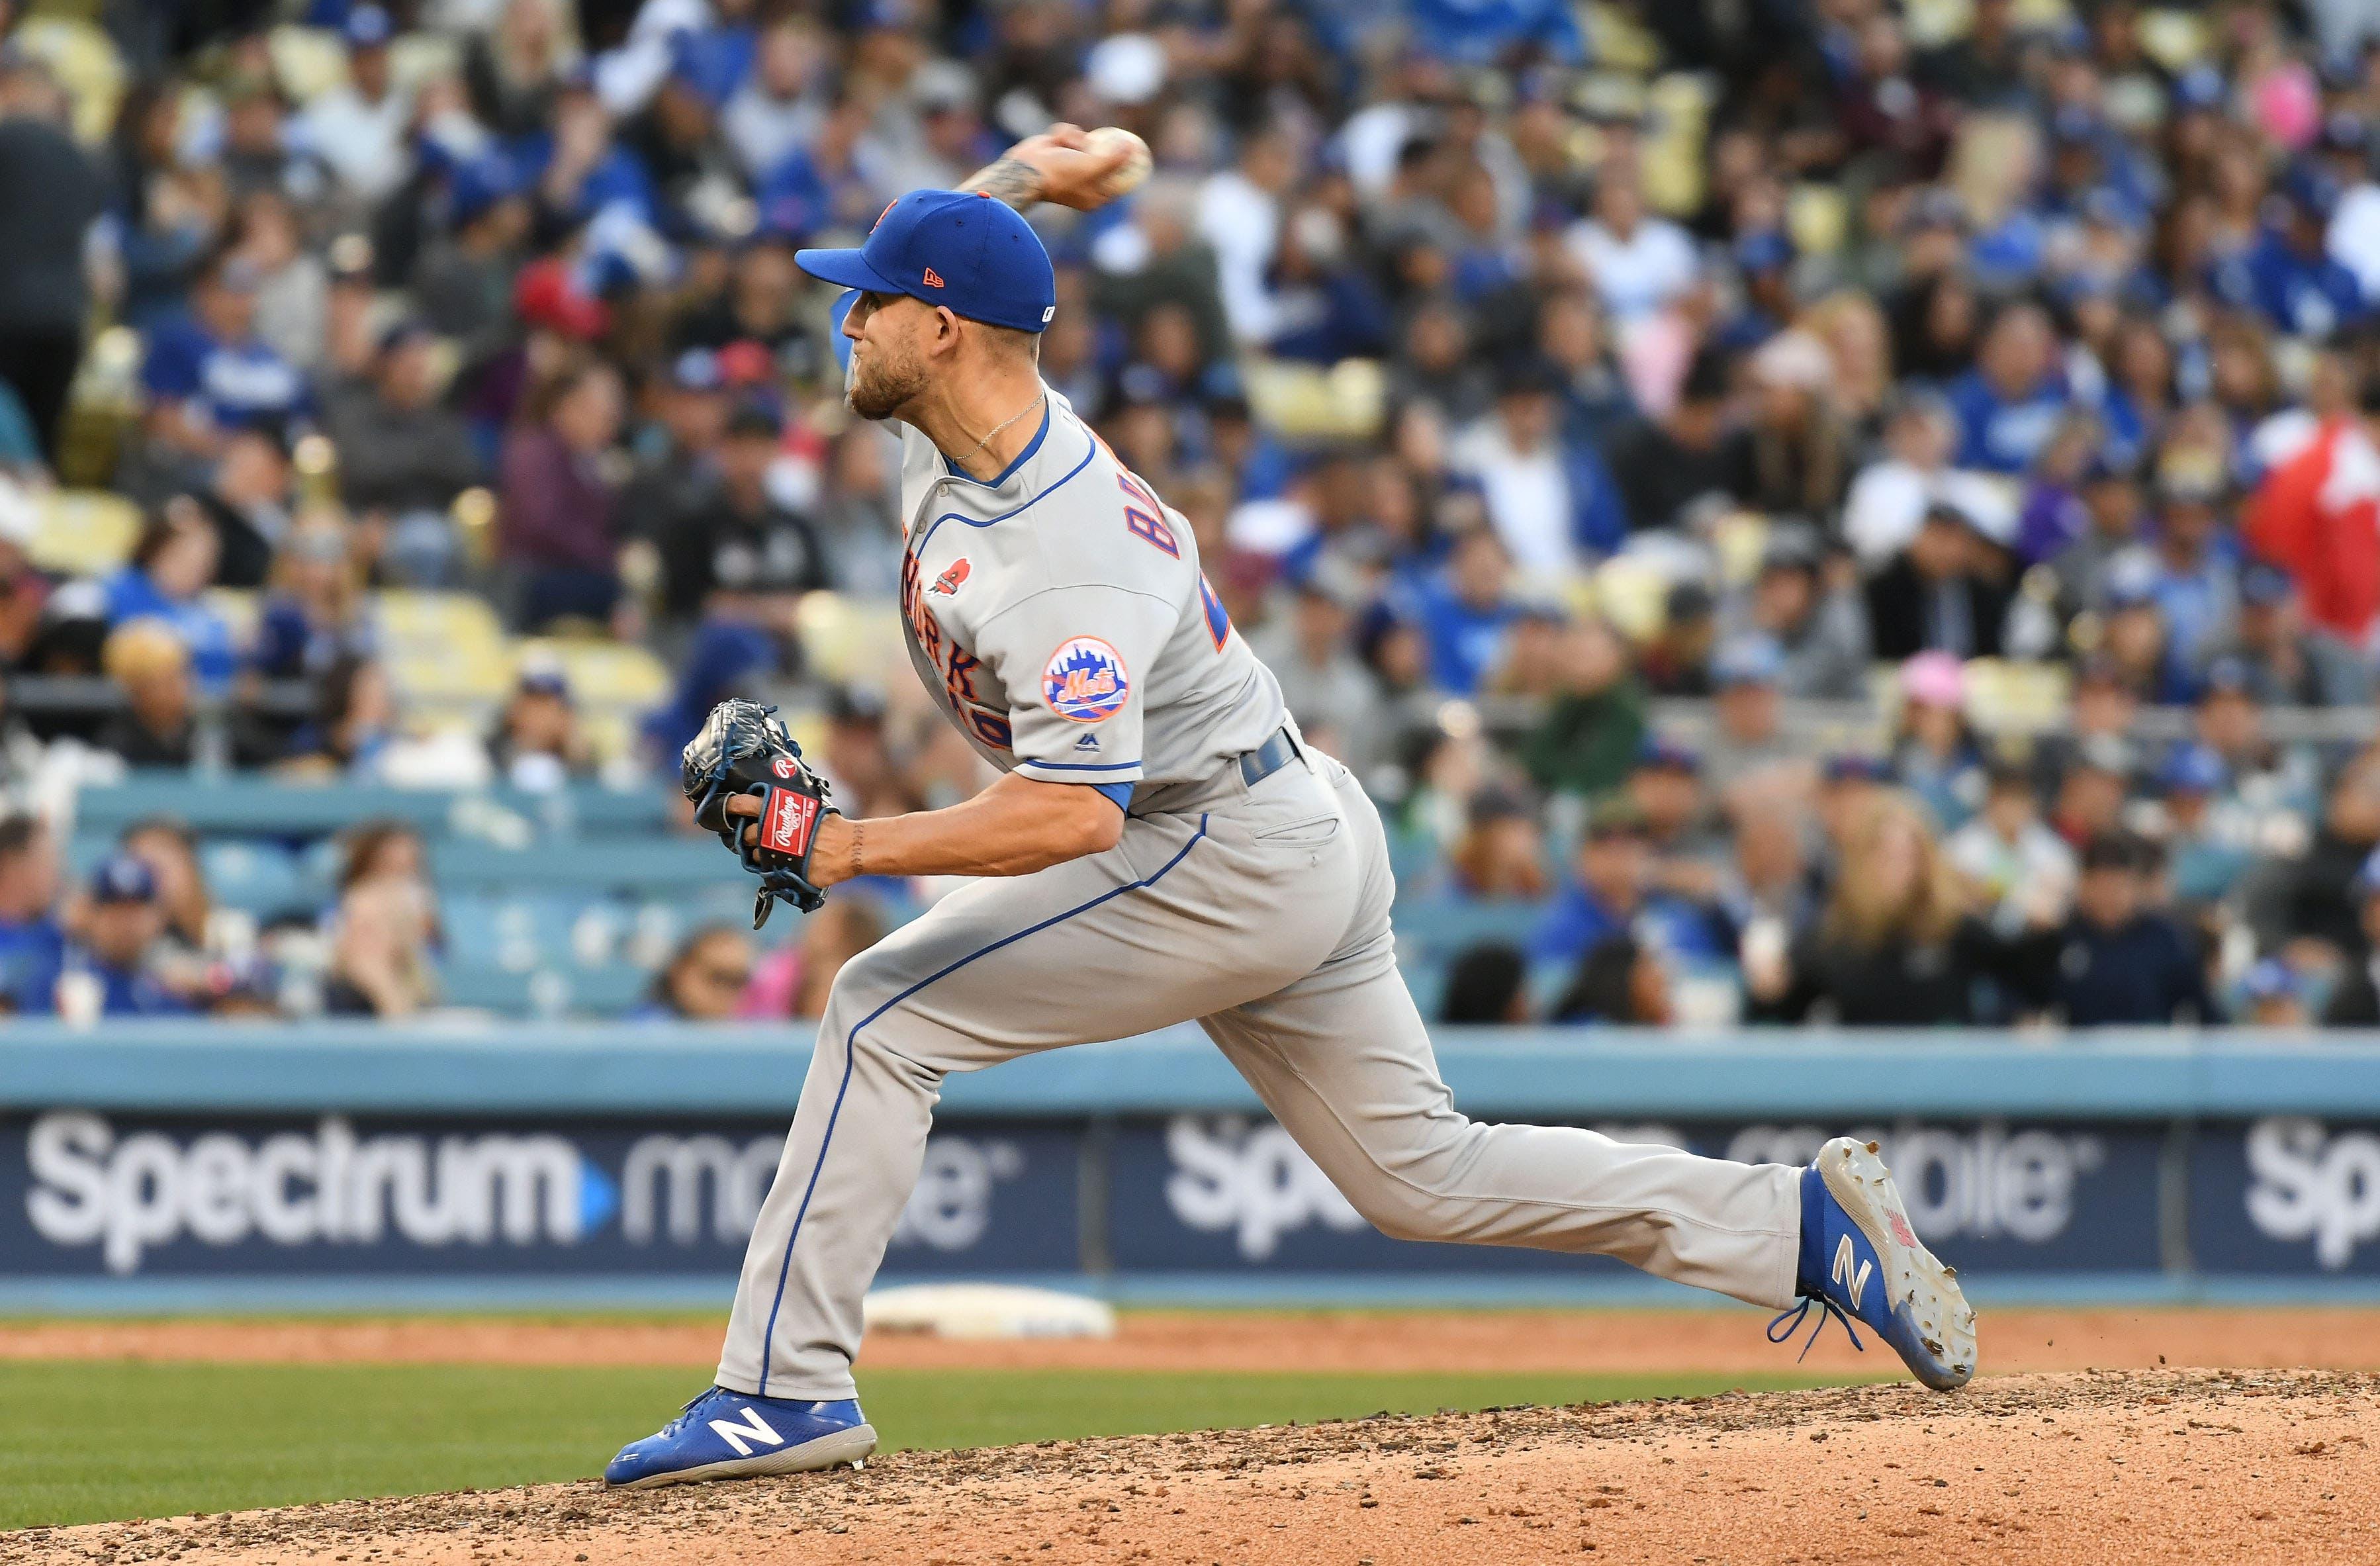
1569, 400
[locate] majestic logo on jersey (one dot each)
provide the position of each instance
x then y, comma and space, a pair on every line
1085, 681
1088, 742
933, 278
948, 582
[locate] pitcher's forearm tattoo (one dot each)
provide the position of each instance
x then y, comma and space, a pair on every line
1017, 184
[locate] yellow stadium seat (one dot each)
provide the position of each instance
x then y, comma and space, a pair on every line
309, 61
85, 61
601, 674
84, 533
444, 648
848, 640
2016, 698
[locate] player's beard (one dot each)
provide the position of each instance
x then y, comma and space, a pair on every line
881, 384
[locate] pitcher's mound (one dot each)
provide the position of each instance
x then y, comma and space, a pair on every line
2141, 1465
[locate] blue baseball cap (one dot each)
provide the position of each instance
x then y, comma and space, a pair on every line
123, 878
2193, 769
367, 27
961, 249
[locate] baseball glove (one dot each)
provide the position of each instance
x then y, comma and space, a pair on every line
743, 749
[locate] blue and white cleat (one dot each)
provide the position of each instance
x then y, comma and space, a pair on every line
724, 1435
1861, 1261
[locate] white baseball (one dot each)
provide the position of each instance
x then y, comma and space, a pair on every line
1135, 168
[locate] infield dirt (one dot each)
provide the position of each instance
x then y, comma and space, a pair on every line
2139, 1465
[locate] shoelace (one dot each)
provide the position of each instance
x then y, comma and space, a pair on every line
686, 1412
1791, 1321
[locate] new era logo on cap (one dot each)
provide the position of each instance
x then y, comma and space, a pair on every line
933, 278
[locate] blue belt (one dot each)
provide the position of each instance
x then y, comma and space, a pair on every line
1267, 758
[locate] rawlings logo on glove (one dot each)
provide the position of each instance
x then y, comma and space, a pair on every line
744, 750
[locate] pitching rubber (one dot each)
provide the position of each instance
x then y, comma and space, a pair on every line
1945, 1323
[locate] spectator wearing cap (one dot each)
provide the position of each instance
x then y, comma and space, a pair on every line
2355, 1001
2008, 404
2285, 662
2209, 843
1896, 945
1683, 833
358, 126
1942, 593
315, 609
464, 278
2273, 995
1748, 739
740, 550
684, 414
1677, 468
536, 747
51, 193
1611, 893
2289, 276
757, 326
2187, 572
2116, 961
1551, 500
404, 456
2111, 525
558, 502
2229, 721
32, 943
188, 944
1498, 859
208, 372
109, 968
1311, 652
2022, 872
1809, 603
1935, 755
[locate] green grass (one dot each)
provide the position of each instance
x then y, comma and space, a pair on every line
87, 1441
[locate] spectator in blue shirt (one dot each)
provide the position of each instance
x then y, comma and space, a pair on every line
106, 971
2009, 404
1467, 613
208, 373
2289, 275
1611, 896
172, 565
32, 944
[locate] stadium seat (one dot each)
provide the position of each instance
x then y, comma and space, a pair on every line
445, 650
84, 533
85, 61
262, 879
542, 992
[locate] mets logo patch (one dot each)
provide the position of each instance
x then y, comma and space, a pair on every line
1085, 681
948, 582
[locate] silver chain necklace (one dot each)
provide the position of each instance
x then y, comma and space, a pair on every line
960, 460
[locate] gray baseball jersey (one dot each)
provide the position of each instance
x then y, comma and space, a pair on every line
1057, 614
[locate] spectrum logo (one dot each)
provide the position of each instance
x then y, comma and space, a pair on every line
130, 1194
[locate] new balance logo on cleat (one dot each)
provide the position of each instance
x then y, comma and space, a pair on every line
1088, 742
1854, 1283
742, 1437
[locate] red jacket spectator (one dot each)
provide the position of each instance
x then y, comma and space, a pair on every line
2317, 516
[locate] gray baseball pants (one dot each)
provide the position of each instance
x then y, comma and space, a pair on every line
1262, 913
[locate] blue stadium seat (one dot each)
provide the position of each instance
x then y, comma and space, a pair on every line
262, 878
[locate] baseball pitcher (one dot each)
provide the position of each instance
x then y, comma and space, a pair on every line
1161, 846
